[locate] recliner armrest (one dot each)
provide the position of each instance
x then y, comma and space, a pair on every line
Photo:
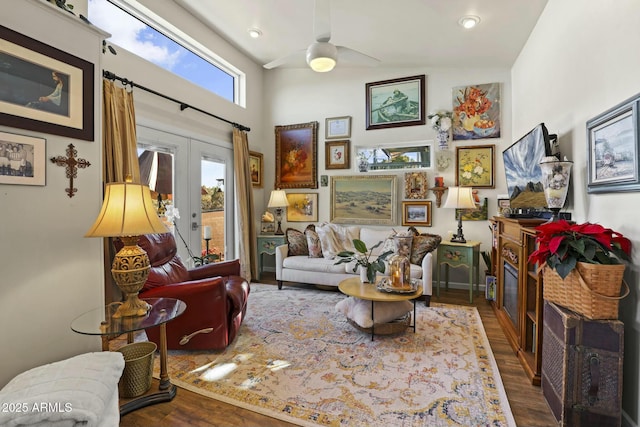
224, 268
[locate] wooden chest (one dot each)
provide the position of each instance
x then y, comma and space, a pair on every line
582, 368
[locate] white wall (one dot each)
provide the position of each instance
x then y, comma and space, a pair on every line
301, 95
582, 59
49, 272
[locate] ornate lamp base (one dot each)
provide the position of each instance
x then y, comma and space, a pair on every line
130, 270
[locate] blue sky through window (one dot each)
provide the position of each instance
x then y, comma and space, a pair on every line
132, 34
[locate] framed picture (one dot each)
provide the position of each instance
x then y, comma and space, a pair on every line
22, 159
268, 228
363, 199
51, 90
336, 155
415, 185
480, 213
324, 180
476, 111
416, 213
256, 167
614, 148
303, 207
337, 127
504, 205
296, 158
475, 166
396, 102
393, 157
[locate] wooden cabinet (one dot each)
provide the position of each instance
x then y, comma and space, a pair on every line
518, 303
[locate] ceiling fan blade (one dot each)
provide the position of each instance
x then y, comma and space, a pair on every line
355, 57
322, 20
297, 55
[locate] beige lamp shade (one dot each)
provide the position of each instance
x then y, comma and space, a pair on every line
460, 198
127, 210
278, 199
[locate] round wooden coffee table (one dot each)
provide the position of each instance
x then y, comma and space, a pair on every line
369, 291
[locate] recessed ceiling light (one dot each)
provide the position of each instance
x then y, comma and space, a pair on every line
469, 21
254, 32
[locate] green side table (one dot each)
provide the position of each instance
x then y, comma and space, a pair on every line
267, 245
453, 254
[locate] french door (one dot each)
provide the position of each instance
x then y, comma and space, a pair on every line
196, 177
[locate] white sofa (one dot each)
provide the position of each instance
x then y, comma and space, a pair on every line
324, 271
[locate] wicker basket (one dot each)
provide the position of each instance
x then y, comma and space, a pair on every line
138, 368
393, 327
592, 290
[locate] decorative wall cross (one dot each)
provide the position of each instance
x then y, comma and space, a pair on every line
71, 165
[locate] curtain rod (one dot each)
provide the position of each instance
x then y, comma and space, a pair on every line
183, 106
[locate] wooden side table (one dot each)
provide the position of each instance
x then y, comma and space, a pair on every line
453, 254
267, 245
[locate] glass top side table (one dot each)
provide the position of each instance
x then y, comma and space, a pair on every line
100, 322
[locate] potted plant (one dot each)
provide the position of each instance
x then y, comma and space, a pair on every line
363, 259
582, 266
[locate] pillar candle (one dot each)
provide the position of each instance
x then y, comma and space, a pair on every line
439, 181
207, 232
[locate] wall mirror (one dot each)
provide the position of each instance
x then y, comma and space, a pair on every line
395, 156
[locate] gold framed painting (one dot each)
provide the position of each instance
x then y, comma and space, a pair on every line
303, 207
363, 199
51, 90
336, 155
415, 185
416, 213
475, 166
256, 161
296, 156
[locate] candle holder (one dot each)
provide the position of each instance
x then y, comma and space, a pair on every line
206, 256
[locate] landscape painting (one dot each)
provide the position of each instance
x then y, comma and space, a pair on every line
522, 168
363, 199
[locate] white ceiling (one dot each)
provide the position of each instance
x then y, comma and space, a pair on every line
400, 33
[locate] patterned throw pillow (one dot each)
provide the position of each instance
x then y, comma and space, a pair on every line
313, 243
422, 245
297, 242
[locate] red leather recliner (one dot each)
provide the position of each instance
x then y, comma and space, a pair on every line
215, 294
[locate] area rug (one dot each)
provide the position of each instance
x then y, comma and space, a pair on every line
297, 360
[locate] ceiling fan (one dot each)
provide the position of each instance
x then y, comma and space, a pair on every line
321, 55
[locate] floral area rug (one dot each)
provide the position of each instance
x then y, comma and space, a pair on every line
298, 360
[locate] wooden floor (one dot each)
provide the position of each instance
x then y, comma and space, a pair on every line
189, 409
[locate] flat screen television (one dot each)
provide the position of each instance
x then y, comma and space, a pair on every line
522, 167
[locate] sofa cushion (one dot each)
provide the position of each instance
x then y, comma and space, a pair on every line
371, 237
336, 238
422, 245
313, 243
297, 242
359, 311
321, 265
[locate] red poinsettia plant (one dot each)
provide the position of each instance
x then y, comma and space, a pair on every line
562, 245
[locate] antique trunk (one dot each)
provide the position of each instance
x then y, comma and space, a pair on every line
582, 368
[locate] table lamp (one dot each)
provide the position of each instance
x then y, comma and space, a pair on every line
128, 212
278, 200
459, 198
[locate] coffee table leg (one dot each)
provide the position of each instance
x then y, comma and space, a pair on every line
373, 325
414, 316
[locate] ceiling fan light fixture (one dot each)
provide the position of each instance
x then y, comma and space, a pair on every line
469, 21
322, 56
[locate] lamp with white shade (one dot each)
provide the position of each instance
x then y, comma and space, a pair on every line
278, 200
459, 198
128, 212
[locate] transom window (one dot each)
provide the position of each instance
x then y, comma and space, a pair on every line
137, 29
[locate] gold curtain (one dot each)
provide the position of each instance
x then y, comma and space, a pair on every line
244, 198
120, 158
119, 134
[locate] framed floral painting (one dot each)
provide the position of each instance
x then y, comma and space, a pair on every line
476, 111
336, 155
296, 156
475, 166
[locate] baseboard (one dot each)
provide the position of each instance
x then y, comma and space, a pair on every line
627, 421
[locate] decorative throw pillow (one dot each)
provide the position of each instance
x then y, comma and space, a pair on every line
313, 243
422, 245
297, 242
